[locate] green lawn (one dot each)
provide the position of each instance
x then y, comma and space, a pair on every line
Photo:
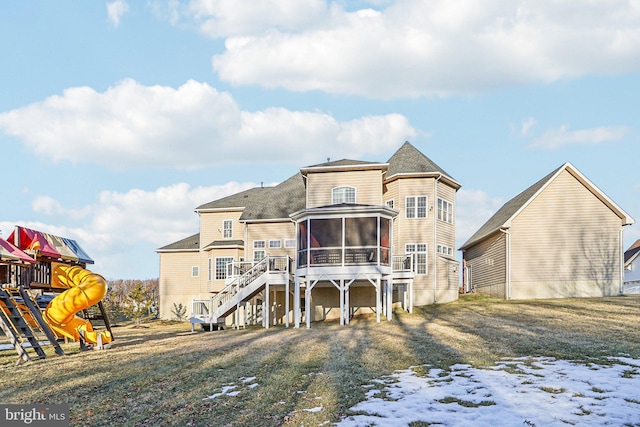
162, 374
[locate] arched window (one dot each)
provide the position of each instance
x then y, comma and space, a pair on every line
343, 195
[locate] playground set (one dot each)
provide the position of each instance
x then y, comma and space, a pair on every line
44, 285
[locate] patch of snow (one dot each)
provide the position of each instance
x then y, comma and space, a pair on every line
522, 391
316, 409
225, 390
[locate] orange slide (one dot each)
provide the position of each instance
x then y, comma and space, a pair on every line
85, 290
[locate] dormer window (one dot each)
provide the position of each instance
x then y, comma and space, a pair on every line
343, 195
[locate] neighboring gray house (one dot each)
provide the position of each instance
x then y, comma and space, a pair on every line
632, 269
559, 238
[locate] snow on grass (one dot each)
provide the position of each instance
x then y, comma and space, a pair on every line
230, 390
523, 391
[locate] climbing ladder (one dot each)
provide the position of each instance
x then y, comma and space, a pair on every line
16, 328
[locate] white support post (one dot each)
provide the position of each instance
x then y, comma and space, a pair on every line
236, 317
378, 301
307, 304
267, 306
275, 307
286, 303
296, 303
347, 302
341, 290
389, 299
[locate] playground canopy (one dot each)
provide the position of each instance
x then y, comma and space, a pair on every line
11, 254
49, 245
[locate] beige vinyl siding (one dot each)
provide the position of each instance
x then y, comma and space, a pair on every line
414, 230
391, 193
176, 283
211, 226
446, 233
417, 230
565, 243
368, 185
488, 261
270, 231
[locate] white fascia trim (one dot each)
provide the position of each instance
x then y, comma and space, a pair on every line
438, 175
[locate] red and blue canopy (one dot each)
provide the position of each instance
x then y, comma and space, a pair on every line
12, 255
49, 245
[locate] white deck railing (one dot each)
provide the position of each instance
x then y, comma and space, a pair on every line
205, 309
402, 262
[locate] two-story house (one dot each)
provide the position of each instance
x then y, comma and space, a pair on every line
335, 240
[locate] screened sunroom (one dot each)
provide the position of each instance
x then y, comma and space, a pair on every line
345, 236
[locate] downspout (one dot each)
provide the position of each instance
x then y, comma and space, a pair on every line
508, 263
435, 240
621, 260
246, 242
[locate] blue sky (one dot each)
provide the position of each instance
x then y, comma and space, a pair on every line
118, 118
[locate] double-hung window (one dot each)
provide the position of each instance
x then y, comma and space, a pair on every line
445, 211
275, 244
416, 207
419, 252
227, 229
343, 195
259, 249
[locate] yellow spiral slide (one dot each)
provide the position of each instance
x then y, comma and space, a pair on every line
85, 290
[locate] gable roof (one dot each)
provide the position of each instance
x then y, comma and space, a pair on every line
503, 217
237, 200
191, 243
277, 202
408, 160
632, 253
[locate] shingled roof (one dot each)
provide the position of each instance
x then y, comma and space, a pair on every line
238, 200
632, 253
277, 202
409, 160
188, 243
507, 211
504, 215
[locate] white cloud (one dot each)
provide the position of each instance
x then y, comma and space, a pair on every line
527, 125
193, 126
473, 209
46, 205
228, 18
412, 48
121, 231
116, 10
559, 137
